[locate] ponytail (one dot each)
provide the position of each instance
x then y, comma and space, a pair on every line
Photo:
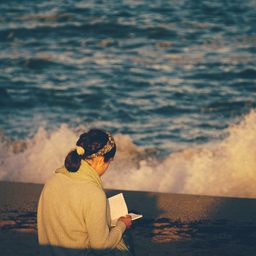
73, 161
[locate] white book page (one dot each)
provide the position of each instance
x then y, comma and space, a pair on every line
135, 216
118, 208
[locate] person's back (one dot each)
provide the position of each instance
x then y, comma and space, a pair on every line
73, 216
60, 215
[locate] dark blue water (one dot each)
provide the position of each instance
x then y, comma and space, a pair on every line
167, 73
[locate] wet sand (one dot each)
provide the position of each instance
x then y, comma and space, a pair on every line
172, 224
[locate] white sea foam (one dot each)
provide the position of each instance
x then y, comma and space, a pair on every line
224, 168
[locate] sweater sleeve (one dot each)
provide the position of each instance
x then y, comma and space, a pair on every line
100, 235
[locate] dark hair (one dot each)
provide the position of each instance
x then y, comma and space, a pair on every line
92, 141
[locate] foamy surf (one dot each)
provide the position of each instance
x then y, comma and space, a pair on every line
223, 168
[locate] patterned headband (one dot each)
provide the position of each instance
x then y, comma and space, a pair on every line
109, 145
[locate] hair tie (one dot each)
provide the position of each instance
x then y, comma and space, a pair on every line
80, 150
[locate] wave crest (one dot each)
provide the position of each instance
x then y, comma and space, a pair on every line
223, 168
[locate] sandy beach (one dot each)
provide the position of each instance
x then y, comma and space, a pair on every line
172, 224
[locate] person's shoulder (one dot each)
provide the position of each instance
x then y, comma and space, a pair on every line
56, 179
52, 183
93, 194
95, 190
96, 200
52, 179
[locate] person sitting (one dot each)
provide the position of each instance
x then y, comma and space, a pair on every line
73, 214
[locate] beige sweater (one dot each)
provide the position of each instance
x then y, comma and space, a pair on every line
73, 215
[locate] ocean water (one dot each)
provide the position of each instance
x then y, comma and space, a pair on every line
174, 81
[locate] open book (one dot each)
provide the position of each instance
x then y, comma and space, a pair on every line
119, 208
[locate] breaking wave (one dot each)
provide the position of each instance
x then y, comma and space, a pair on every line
223, 168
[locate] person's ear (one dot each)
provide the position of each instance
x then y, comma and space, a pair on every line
101, 159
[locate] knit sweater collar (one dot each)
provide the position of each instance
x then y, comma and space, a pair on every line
85, 172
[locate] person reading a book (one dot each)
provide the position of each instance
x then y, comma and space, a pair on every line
73, 214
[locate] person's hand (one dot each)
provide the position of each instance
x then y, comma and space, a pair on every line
127, 220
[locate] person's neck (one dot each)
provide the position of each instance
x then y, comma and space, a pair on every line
92, 164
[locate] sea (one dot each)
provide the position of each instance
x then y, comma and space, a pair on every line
173, 80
